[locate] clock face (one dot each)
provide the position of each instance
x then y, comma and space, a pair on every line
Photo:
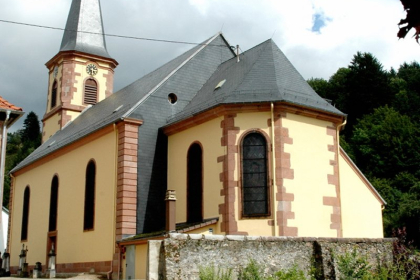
91, 69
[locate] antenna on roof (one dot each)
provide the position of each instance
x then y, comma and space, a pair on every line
237, 53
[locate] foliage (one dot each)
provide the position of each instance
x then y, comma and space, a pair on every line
19, 145
252, 271
412, 19
406, 263
352, 266
293, 273
209, 273
386, 143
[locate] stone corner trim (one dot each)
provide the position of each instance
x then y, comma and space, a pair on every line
334, 180
228, 140
126, 179
283, 171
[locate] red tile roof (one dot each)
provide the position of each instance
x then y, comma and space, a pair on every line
4, 104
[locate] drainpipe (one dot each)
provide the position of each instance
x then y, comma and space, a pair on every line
338, 171
273, 172
2, 163
109, 273
3, 157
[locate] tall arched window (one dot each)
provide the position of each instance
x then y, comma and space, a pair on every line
53, 205
25, 214
254, 176
54, 94
91, 92
89, 218
195, 184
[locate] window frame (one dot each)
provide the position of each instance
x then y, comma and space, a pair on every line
50, 217
25, 214
54, 90
268, 164
90, 212
188, 206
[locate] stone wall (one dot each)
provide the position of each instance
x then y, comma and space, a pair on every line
181, 255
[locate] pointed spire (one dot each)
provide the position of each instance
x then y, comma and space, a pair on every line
85, 16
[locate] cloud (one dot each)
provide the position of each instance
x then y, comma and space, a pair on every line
341, 29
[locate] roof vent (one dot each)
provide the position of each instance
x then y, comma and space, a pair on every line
172, 98
52, 143
220, 84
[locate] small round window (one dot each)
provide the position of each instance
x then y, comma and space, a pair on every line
172, 98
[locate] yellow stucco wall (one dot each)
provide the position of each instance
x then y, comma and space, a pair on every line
73, 244
361, 210
310, 161
208, 135
51, 126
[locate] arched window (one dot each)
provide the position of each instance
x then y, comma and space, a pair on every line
89, 218
53, 205
254, 175
54, 94
91, 92
195, 184
25, 214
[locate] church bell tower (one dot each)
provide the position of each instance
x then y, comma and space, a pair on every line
82, 73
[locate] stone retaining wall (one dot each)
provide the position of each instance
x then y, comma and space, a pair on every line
181, 255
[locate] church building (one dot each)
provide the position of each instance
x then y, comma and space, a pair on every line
242, 140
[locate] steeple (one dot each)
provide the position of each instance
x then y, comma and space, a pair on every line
84, 29
82, 72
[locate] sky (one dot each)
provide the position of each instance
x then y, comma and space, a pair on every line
317, 36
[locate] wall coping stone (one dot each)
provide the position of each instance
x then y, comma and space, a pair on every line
185, 236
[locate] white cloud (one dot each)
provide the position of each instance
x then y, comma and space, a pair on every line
350, 26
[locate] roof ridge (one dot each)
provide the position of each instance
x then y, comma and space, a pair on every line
144, 98
253, 64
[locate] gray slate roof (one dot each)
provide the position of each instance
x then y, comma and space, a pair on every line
264, 74
84, 29
132, 100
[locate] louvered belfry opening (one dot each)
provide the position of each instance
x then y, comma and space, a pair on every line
254, 175
91, 92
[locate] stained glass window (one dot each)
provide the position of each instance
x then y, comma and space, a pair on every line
254, 175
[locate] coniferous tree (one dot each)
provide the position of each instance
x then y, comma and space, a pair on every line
19, 145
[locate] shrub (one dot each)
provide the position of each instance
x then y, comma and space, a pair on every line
209, 273
352, 266
293, 273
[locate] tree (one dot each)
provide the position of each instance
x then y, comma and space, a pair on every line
31, 130
412, 19
19, 145
386, 143
366, 87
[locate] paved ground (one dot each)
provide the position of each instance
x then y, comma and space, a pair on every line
78, 277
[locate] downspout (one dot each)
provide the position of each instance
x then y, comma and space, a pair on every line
273, 172
109, 273
2, 163
3, 157
9, 228
338, 171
